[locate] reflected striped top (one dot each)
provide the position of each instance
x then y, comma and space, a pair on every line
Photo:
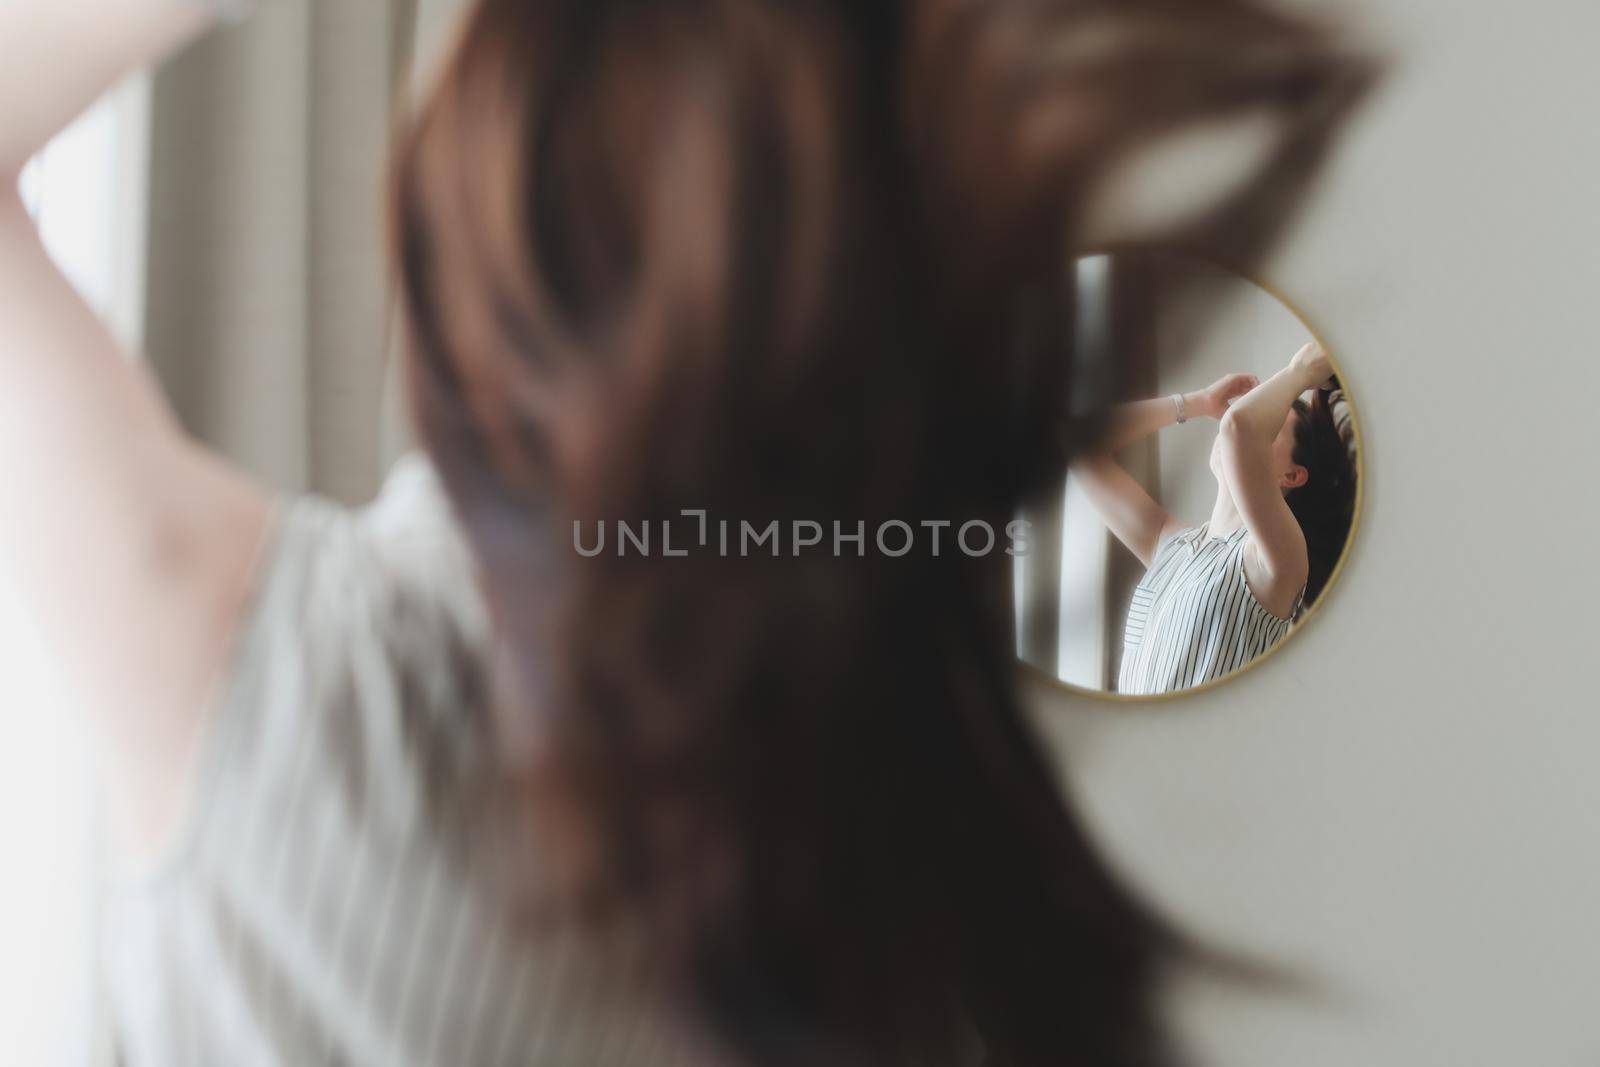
318, 908
1193, 618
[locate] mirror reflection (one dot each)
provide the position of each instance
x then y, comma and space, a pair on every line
1213, 512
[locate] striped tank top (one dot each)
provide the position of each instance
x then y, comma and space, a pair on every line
1193, 618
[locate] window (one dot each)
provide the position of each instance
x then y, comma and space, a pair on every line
1060, 588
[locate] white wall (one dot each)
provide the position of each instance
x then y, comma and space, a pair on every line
1405, 802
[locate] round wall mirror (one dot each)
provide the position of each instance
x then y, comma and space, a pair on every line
1213, 514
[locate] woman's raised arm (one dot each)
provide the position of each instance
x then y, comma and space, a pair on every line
127, 544
1138, 419
1276, 564
1136, 518
58, 56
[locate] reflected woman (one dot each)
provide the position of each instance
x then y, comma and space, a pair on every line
1216, 596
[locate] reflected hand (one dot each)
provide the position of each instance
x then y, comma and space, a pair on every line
1214, 400
1313, 365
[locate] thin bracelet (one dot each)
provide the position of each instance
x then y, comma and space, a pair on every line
1177, 402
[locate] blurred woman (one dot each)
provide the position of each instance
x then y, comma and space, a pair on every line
420, 783
1218, 595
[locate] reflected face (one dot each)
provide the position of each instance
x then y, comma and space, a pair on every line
1291, 474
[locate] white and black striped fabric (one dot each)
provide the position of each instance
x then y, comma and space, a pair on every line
1193, 618
316, 907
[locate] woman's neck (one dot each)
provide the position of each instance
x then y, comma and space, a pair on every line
1225, 517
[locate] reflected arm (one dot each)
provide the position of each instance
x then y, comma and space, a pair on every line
1132, 514
1133, 422
1137, 519
1276, 561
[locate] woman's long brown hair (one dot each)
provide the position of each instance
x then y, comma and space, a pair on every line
804, 260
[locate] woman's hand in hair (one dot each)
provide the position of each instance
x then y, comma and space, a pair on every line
1215, 398
1313, 365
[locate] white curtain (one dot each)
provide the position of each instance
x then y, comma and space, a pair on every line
270, 313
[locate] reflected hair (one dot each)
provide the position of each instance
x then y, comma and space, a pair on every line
805, 260
1324, 505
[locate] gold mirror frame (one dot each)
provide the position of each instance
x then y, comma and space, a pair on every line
1355, 518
